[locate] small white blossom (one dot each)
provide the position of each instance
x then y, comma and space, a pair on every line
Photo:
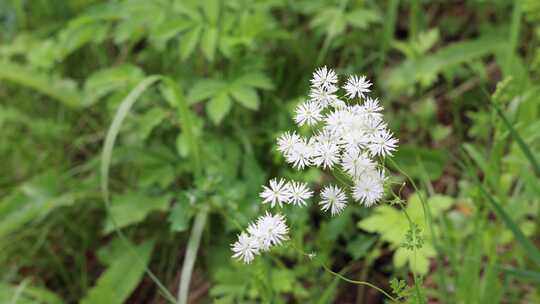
369, 188
308, 113
382, 143
372, 105
299, 193
287, 141
338, 121
355, 163
270, 230
326, 155
324, 78
277, 194
357, 86
333, 199
323, 96
300, 154
246, 248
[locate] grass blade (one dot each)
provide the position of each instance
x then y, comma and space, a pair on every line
531, 250
526, 275
110, 139
191, 255
522, 145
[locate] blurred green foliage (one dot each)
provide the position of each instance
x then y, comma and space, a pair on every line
203, 135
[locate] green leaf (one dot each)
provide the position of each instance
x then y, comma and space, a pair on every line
124, 273
256, 80
146, 122
218, 107
107, 80
359, 246
209, 42
427, 68
432, 161
211, 10
418, 260
246, 96
189, 41
180, 216
205, 89
132, 208
24, 294
33, 201
362, 18
63, 90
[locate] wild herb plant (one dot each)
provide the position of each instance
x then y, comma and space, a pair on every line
173, 108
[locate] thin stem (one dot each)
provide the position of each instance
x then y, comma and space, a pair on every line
327, 269
359, 283
428, 219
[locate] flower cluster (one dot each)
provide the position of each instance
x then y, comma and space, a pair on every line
349, 137
267, 231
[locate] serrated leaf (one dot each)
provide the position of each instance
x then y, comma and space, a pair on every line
218, 107
209, 42
189, 41
246, 96
418, 260
205, 89
146, 122
133, 207
256, 80
122, 276
105, 81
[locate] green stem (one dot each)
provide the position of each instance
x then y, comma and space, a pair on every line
429, 220
359, 283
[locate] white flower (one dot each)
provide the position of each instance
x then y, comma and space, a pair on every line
338, 121
277, 194
355, 163
299, 193
245, 248
286, 141
333, 198
372, 125
382, 143
308, 113
353, 140
338, 104
323, 96
357, 86
300, 154
369, 188
269, 230
324, 137
326, 155
372, 105
324, 78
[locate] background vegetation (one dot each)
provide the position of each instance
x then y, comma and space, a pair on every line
459, 81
